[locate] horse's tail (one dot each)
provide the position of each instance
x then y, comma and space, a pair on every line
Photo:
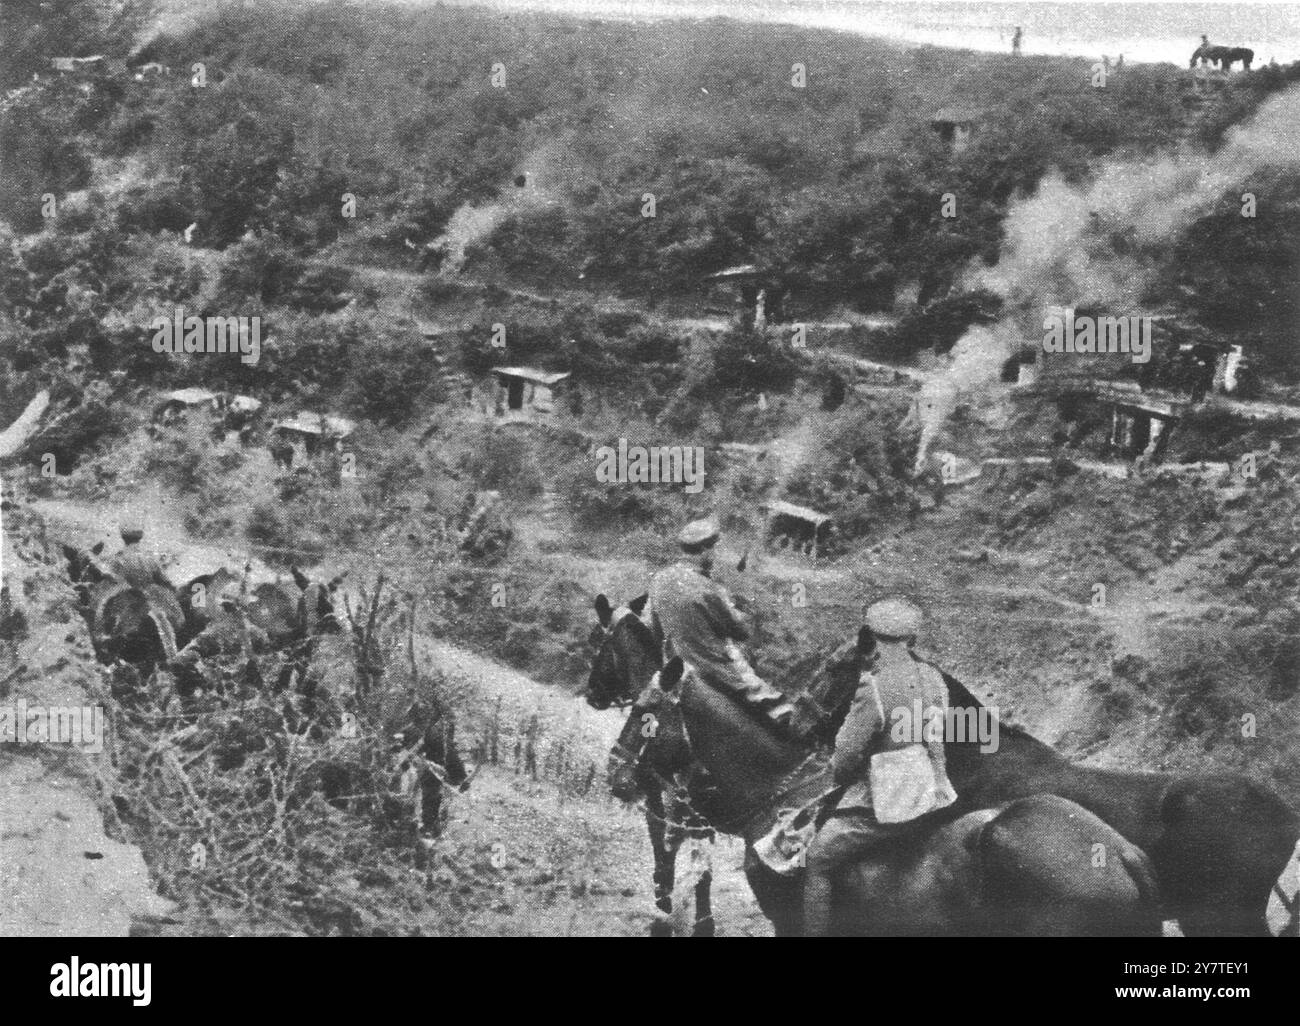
1142, 872
166, 633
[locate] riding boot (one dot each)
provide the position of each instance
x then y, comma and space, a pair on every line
823, 858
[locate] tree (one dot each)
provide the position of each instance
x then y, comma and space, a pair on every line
36, 30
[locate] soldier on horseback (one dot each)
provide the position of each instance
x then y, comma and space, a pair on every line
699, 622
892, 778
133, 565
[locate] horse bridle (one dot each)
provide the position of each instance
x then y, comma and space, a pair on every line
618, 616
787, 784
635, 756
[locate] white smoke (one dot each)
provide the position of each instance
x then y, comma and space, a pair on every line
1094, 244
975, 360
1091, 244
542, 171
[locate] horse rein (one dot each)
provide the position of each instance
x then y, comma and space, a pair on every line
635, 757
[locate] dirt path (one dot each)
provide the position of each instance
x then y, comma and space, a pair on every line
1135, 611
560, 864
580, 867
60, 875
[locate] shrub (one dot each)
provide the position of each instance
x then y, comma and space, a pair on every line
281, 537
503, 461
749, 362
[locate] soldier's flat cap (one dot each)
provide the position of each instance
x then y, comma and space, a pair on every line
893, 618
699, 535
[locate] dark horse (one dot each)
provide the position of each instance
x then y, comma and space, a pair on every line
1224, 56
650, 772
1218, 841
285, 617
125, 623
1036, 866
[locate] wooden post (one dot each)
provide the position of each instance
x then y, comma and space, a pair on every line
496, 732
530, 747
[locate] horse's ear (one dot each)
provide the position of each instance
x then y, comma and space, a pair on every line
671, 675
637, 605
299, 578
604, 612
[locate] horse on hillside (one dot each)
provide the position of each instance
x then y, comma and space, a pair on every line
126, 623
1224, 56
1219, 841
273, 607
1027, 868
626, 649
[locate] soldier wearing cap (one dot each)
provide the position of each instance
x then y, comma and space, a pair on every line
132, 567
867, 743
699, 622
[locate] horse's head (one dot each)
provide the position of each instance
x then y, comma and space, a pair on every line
271, 608
316, 604
652, 746
627, 653
201, 597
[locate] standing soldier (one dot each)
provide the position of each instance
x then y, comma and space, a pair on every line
1015, 42
698, 621
891, 781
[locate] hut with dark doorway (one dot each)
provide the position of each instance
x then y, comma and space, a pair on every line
755, 298
957, 126
178, 405
313, 433
1141, 428
1021, 368
796, 528
525, 390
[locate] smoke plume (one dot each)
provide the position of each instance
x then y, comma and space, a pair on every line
1093, 244
543, 174
1096, 244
